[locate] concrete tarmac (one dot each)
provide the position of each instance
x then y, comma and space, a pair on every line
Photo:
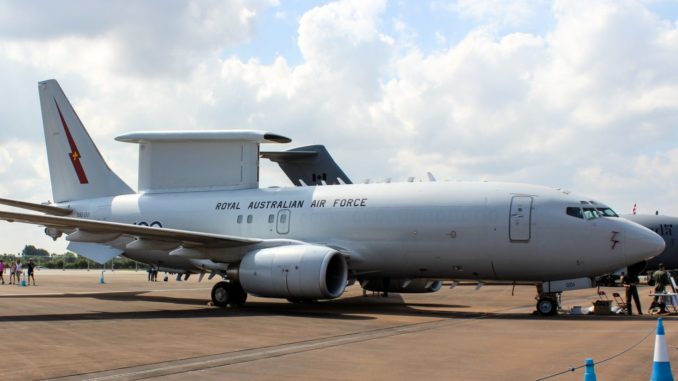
71, 327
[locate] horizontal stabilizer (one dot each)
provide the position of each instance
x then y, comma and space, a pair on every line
95, 251
48, 209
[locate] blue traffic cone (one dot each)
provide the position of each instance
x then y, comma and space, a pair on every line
661, 368
589, 372
101, 280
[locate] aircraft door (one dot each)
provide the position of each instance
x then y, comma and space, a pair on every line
520, 219
283, 224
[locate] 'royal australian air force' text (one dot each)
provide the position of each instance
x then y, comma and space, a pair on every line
294, 204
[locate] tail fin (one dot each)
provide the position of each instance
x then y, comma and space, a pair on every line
76, 167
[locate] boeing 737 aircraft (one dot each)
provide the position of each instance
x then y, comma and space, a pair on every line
199, 206
662, 225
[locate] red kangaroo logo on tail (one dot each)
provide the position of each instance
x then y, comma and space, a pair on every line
74, 155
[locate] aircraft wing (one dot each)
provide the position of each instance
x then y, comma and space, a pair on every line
48, 209
182, 237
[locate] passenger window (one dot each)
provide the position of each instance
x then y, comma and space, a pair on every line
240, 219
283, 218
574, 212
271, 218
249, 219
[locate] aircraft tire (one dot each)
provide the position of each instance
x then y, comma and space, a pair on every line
238, 295
221, 294
547, 307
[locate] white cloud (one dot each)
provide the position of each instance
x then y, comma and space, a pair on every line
509, 12
149, 39
5, 159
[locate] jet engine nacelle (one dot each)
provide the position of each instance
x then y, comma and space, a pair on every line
403, 286
296, 271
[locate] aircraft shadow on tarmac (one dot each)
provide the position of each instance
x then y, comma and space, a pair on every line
351, 308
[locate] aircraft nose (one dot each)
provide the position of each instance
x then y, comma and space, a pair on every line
643, 243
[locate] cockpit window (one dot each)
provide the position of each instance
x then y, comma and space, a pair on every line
583, 213
607, 212
574, 212
590, 213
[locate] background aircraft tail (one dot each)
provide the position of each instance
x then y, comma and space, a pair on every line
76, 168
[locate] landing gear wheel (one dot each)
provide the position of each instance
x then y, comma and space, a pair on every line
238, 295
547, 307
221, 294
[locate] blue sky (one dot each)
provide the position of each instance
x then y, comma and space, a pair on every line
276, 28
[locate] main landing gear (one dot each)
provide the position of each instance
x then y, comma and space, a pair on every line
228, 293
548, 304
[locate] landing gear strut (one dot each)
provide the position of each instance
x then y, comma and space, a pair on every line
228, 293
548, 304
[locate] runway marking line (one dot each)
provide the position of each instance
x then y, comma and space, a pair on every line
229, 358
201, 363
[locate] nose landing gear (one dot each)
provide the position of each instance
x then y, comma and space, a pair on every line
548, 304
549, 293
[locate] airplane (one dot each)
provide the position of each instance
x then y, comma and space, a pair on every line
199, 206
322, 162
662, 225
309, 165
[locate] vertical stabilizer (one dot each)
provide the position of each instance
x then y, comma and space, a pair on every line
76, 168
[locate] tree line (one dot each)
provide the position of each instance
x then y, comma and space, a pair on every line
67, 260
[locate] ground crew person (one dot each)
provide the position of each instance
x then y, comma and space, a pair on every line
630, 282
661, 280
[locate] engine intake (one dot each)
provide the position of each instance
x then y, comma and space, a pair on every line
295, 271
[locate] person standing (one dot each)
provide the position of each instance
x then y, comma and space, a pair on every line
630, 282
12, 273
2, 271
19, 271
31, 269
